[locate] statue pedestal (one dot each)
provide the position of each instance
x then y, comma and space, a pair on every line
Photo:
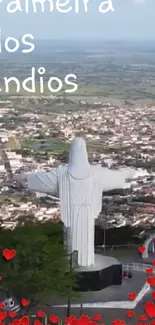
106, 271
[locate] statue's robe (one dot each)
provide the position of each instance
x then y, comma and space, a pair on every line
80, 201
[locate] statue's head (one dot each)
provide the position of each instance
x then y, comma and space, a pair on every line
78, 165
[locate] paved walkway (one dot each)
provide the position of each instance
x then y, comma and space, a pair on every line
114, 293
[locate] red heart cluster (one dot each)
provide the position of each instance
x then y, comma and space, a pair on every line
24, 320
83, 320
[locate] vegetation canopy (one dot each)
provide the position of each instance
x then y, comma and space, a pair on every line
40, 268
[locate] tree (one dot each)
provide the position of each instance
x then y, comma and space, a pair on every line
40, 268
118, 236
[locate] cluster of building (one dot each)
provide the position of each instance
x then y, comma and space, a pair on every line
117, 136
13, 214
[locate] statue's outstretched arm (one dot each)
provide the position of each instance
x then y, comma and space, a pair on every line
115, 179
43, 182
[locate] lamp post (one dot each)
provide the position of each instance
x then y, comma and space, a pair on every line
73, 262
81, 309
69, 300
104, 229
104, 239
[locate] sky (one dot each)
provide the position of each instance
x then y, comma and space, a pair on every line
131, 20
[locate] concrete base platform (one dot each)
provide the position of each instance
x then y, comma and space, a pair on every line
106, 271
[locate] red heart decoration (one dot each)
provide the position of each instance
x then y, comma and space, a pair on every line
151, 281
1, 305
16, 321
12, 314
92, 323
150, 270
41, 313
37, 322
25, 320
141, 249
97, 317
75, 321
1, 277
68, 320
143, 317
153, 262
55, 319
84, 320
153, 294
132, 295
3, 315
9, 253
24, 302
130, 313
118, 322
150, 309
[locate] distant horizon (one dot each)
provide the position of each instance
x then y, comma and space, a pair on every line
97, 39
92, 39
87, 45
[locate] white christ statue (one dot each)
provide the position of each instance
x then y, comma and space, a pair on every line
79, 186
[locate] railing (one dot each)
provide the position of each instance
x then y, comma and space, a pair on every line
111, 247
137, 267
